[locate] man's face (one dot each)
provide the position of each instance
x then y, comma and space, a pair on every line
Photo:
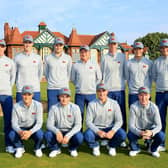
84, 55
102, 94
113, 47
28, 45
64, 99
164, 51
27, 98
59, 48
144, 98
2, 49
138, 52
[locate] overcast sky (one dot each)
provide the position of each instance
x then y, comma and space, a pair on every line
129, 19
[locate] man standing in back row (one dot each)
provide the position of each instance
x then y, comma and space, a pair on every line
85, 75
7, 79
57, 71
29, 69
138, 72
160, 76
112, 66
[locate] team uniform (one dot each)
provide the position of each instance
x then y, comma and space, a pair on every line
67, 120
57, 73
29, 70
113, 75
104, 117
138, 74
85, 77
144, 118
27, 118
7, 78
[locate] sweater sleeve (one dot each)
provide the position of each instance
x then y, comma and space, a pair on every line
118, 118
157, 121
15, 120
13, 74
98, 74
39, 118
132, 122
90, 118
69, 67
51, 120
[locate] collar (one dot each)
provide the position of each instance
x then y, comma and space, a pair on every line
145, 107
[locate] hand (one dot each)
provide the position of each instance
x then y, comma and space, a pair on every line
59, 137
20, 133
65, 140
147, 134
26, 135
101, 134
110, 134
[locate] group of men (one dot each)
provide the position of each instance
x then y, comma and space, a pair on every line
105, 115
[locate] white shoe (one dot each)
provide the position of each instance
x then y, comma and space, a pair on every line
96, 151
134, 153
19, 152
74, 153
54, 153
38, 153
156, 154
64, 145
161, 149
104, 143
123, 144
10, 149
112, 152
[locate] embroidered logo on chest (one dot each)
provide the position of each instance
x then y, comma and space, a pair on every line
6, 65
64, 62
34, 61
109, 109
90, 67
34, 113
118, 62
145, 66
69, 115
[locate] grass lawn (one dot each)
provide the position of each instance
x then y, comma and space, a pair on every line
84, 160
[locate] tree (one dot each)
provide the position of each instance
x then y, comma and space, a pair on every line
152, 41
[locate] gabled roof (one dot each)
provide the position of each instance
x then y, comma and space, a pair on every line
74, 39
58, 34
16, 37
86, 39
34, 34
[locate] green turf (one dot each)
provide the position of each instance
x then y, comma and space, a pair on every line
84, 160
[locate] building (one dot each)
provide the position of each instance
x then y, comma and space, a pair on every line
44, 38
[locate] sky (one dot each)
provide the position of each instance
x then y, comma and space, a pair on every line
128, 19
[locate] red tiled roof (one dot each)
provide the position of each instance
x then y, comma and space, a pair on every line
16, 37
86, 39
74, 39
58, 34
34, 34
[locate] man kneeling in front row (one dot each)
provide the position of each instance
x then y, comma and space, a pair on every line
104, 121
64, 125
27, 119
145, 123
